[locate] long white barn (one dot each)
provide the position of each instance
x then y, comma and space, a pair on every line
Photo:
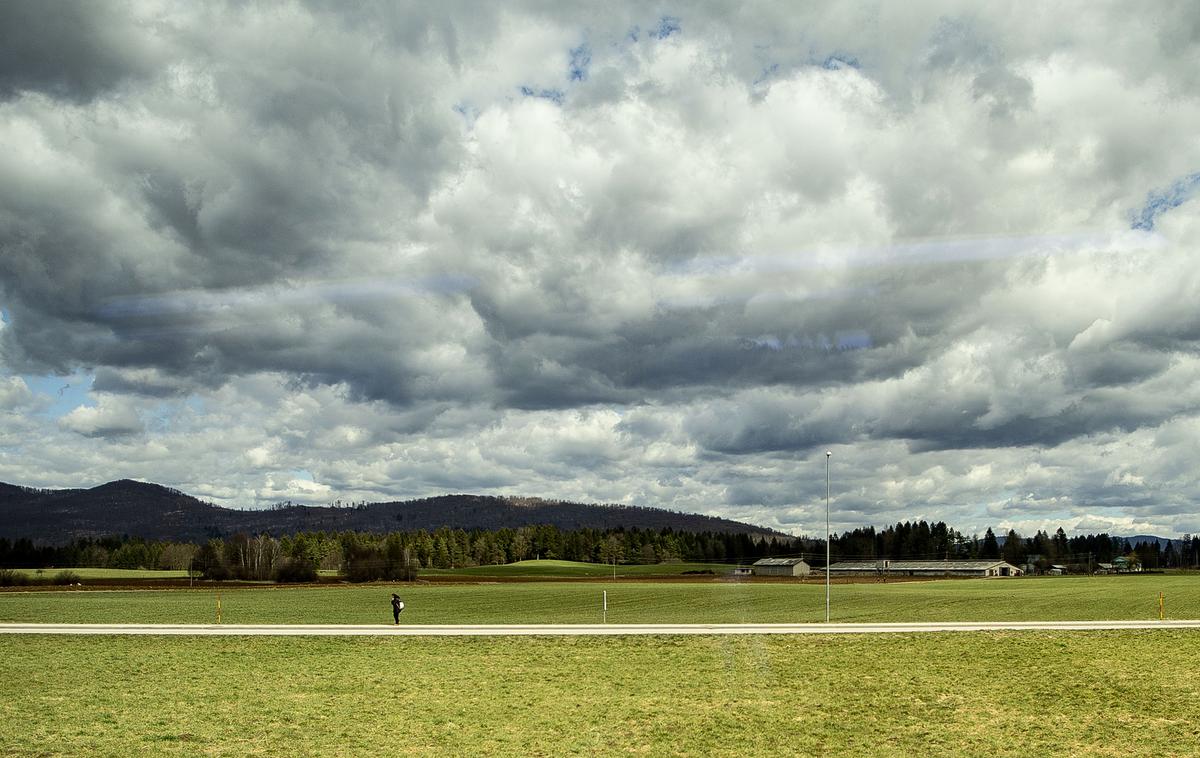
781, 567
982, 568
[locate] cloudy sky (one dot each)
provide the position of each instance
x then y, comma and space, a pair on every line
658, 254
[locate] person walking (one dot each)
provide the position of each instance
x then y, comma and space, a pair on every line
397, 606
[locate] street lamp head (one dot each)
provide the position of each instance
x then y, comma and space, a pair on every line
828, 453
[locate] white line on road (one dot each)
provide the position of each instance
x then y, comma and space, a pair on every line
559, 630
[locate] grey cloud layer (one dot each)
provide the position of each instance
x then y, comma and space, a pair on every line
751, 232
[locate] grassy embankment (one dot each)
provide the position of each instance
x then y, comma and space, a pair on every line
985, 694
1055, 598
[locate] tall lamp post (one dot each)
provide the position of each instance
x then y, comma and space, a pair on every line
828, 453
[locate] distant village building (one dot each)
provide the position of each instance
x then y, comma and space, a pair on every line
781, 567
983, 568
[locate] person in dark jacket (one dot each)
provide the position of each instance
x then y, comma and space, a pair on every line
397, 606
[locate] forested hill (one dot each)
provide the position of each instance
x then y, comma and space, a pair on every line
140, 509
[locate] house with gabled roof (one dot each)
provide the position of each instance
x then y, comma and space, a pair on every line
781, 567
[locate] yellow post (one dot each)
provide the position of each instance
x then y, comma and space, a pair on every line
218, 607
1160, 606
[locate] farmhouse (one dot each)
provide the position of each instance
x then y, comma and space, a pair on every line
1122, 565
925, 568
781, 567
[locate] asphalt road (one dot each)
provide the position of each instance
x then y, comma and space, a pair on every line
560, 630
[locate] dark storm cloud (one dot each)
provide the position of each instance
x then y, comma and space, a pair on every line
1117, 365
297, 156
72, 49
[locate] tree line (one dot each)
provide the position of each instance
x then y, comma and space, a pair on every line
919, 540
360, 556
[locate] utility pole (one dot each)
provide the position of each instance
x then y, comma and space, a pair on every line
828, 453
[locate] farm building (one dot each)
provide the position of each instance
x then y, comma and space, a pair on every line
743, 571
781, 567
1122, 565
925, 568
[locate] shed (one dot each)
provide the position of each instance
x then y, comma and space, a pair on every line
781, 567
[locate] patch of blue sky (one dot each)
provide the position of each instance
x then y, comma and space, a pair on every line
173, 414
768, 73
469, 113
667, 26
160, 416
62, 394
4, 316
856, 339
839, 61
555, 96
762, 83
772, 70
580, 60
936, 250
1159, 202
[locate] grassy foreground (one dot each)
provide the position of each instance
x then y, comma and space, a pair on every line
985, 694
1058, 598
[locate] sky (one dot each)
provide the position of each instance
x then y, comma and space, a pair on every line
632, 252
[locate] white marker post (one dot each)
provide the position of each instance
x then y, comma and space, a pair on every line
604, 615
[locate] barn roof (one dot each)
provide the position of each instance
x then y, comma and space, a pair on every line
778, 561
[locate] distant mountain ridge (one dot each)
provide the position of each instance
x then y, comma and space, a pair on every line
152, 511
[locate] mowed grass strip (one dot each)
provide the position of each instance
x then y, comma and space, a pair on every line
980, 694
1050, 599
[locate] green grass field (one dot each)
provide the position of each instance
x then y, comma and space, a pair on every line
1115, 694
86, 573
548, 569
950, 694
1056, 598
537, 569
